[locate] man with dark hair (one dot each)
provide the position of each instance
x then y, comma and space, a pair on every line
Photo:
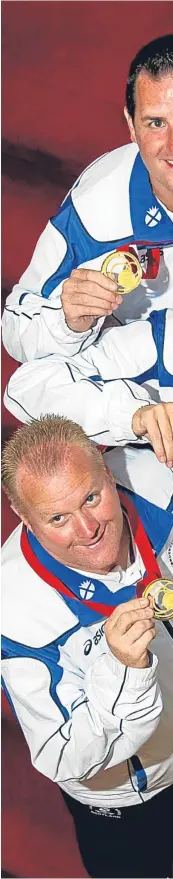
63, 297
112, 235
78, 661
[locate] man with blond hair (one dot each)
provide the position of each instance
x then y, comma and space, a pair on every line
78, 661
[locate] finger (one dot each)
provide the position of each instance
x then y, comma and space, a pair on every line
166, 430
97, 278
92, 289
80, 291
127, 606
81, 310
91, 307
154, 434
138, 629
142, 643
127, 620
169, 410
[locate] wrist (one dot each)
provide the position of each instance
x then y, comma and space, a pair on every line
136, 677
145, 661
136, 423
80, 325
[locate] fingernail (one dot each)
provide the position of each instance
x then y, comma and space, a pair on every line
170, 464
143, 602
162, 459
112, 285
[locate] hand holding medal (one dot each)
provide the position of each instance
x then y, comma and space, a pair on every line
129, 632
158, 589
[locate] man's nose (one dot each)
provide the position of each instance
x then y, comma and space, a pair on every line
86, 525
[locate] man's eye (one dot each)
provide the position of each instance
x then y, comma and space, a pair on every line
91, 498
156, 123
58, 519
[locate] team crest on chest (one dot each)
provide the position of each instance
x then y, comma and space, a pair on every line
87, 590
153, 217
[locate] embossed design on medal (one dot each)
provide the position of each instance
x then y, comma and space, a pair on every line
124, 268
161, 592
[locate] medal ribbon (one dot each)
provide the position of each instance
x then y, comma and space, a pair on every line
153, 260
142, 541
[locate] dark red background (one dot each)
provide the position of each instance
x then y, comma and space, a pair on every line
64, 68
64, 72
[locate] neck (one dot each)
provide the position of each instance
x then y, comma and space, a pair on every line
163, 194
122, 557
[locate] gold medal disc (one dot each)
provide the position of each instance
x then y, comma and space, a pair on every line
161, 592
123, 268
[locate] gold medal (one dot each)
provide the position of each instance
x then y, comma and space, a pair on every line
161, 592
124, 268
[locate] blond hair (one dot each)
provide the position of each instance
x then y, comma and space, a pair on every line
40, 447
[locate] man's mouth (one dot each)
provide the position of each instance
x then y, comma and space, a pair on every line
169, 162
97, 541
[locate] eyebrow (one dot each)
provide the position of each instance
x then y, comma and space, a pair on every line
152, 116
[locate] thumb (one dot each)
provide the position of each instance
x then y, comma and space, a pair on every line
138, 421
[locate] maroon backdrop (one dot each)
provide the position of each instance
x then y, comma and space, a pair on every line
64, 67
64, 72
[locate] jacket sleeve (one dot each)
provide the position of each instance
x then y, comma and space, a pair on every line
90, 724
96, 388
33, 323
104, 411
50, 387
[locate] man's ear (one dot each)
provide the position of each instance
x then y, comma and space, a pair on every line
110, 475
130, 125
23, 519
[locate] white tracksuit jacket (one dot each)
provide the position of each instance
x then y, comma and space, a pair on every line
111, 205
100, 388
82, 712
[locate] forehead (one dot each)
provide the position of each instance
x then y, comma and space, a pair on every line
65, 489
154, 92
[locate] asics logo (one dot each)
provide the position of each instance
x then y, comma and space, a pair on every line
95, 640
